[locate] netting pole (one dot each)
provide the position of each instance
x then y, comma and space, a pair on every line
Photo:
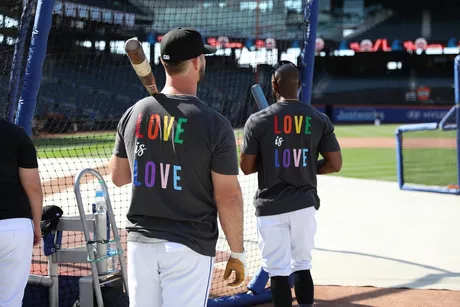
457, 103
256, 38
33, 74
310, 12
399, 158
19, 46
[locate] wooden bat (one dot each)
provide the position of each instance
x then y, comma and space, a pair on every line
141, 65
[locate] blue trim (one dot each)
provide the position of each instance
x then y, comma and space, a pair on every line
34, 67
311, 9
258, 282
418, 127
399, 158
206, 295
457, 79
457, 102
239, 300
425, 127
447, 118
15, 75
408, 187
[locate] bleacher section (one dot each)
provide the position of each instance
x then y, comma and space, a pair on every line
381, 90
99, 92
212, 21
445, 25
399, 26
404, 25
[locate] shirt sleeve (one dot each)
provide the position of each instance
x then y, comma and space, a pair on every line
120, 148
224, 157
328, 142
250, 143
27, 152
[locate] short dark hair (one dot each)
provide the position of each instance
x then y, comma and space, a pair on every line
175, 67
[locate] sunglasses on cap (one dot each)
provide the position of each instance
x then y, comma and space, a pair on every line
279, 64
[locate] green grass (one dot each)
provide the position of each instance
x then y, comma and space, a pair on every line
422, 166
369, 163
385, 131
434, 166
69, 146
430, 166
377, 132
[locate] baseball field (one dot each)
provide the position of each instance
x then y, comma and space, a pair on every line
368, 151
370, 233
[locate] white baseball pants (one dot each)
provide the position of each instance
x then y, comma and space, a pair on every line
16, 245
167, 274
286, 241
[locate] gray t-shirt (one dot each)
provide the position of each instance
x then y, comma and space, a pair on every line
287, 139
172, 143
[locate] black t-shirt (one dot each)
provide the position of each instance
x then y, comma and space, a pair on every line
17, 150
173, 142
287, 139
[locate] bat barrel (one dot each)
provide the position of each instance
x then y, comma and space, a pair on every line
141, 64
259, 96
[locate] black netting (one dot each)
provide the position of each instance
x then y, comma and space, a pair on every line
88, 83
430, 158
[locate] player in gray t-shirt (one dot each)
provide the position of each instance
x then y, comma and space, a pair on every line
282, 144
180, 156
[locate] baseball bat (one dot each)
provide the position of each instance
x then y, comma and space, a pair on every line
141, 65
259, 96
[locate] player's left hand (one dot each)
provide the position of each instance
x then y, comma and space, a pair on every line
236, 263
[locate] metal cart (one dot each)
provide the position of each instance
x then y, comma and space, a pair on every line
103, 287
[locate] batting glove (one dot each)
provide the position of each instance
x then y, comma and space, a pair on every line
236, 263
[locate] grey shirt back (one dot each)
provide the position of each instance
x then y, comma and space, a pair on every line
173, 142
287, 139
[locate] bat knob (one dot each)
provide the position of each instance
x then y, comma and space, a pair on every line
132, 44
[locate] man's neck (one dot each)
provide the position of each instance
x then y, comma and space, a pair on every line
288, 99
179, 86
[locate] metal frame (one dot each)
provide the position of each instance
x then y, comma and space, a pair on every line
87, 223
400, 160
100, 280
443, 125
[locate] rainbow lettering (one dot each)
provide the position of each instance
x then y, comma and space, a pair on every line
283, 127
157, 125
163, 129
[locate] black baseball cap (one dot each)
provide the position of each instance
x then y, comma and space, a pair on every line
183, 44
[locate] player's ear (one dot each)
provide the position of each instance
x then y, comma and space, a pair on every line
274, 84
196, 63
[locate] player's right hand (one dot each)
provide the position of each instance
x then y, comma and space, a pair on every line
236, 263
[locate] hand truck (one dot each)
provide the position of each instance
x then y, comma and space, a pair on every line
104, 287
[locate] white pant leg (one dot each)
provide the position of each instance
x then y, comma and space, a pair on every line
303, 230
186, 276
143, 275
16, 245
274, 243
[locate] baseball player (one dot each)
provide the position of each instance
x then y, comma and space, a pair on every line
180, 157
282, 143
20, 211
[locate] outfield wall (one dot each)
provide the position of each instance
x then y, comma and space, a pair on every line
388, 114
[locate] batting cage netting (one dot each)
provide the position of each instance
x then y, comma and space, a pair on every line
87, 83
428, 155
430, 158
